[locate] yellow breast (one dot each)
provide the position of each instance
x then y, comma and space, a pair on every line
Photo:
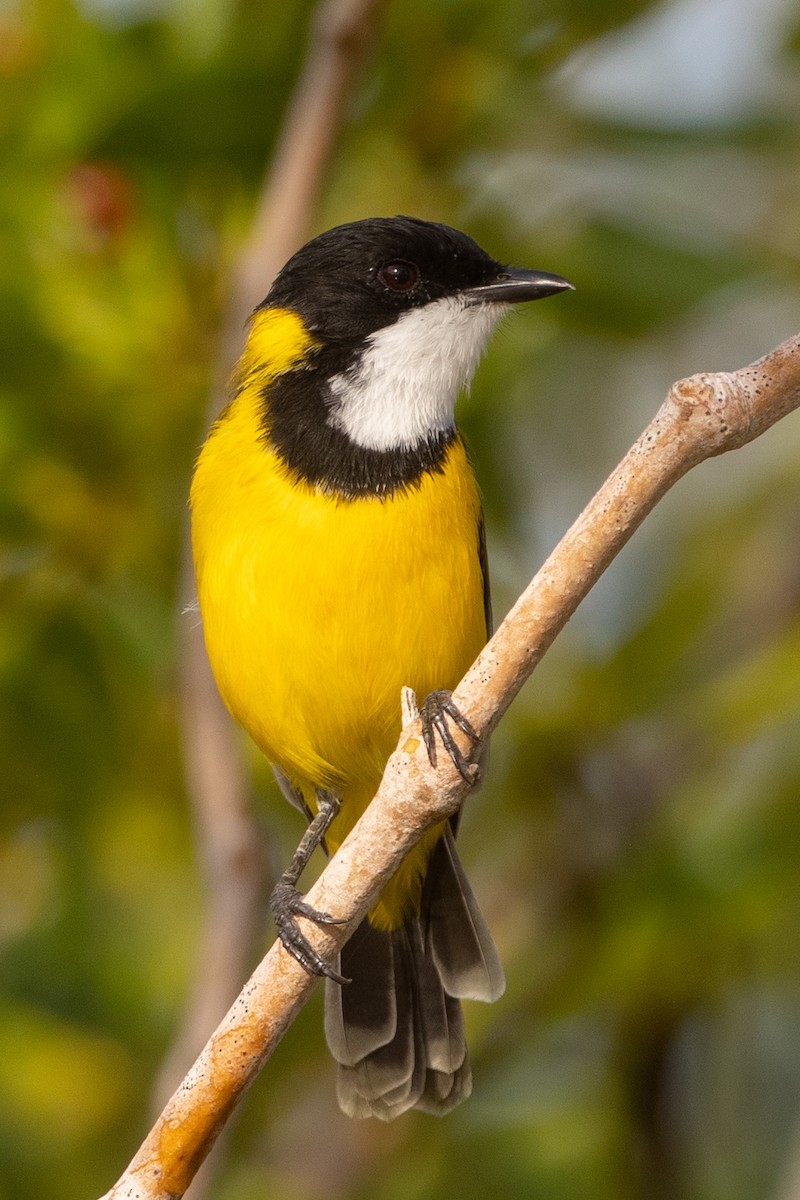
317, 610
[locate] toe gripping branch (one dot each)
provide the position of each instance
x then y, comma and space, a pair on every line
434, 712
287, 903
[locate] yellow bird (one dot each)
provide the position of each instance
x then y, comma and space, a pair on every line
339, 553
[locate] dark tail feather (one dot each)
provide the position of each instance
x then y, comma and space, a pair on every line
396, 1030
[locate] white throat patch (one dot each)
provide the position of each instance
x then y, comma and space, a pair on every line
404, 387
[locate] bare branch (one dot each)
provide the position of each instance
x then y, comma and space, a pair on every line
701, 417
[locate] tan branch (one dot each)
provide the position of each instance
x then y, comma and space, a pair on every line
701, 417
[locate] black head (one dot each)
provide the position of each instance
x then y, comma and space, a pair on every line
357, 278
400, 311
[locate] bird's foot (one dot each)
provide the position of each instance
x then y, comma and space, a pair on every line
287, 904
434, 712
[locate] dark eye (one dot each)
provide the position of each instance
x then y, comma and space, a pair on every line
399, 276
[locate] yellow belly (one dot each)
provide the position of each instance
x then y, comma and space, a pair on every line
316, 611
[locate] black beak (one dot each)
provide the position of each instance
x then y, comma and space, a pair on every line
514, 284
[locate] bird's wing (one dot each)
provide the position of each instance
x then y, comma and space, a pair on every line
487, 588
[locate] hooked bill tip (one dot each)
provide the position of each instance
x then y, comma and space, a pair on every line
515, 284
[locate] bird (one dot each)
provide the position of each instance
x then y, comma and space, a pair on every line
340, 555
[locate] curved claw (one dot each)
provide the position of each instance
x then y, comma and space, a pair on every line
433, 712
287, 904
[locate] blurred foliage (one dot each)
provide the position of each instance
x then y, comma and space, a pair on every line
641, 863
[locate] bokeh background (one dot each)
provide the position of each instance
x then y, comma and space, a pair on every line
637, 844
